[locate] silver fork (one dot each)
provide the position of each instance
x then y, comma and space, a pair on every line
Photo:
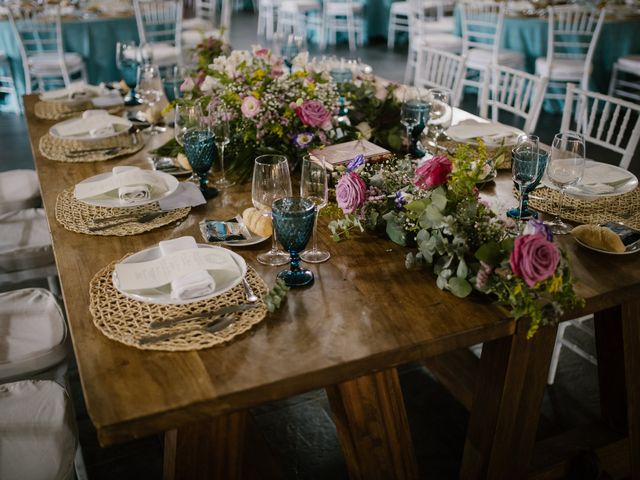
211, 327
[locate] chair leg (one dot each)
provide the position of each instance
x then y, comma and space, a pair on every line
555, 356
351, 28
614, 79
391, 34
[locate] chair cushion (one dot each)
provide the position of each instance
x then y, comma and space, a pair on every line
340, 8
196, 23
400, 8
25, 241
19, 189
442, 41
630, 63
192, 38
38, 438
562, 69
164, 54
479, 58
302, 6
33, 332
444, 25
50, 62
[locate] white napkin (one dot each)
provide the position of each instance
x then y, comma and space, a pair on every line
108, 100
493, 133
194, 284
131, 193
599, 178
186, 195
95, 123
73, 90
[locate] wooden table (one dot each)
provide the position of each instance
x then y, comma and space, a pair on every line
365, 315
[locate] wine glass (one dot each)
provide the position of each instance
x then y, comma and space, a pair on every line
200, 148
151, 91
127, 63
565, 168
413, 115
186, 117
293, 219
222, 135
313, 185
271, 181
440, 113
171, 81
528, 163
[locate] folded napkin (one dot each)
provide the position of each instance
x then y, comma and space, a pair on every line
194, 284
143, 181
75, 90
186, 195
491, 133
131, 193
108, 100
95, 123
600, 178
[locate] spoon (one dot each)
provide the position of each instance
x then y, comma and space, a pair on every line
144, 218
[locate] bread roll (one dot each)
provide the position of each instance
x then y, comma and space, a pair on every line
599, 237
183, 161
256, 222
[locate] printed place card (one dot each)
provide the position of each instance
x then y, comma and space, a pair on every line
342, 153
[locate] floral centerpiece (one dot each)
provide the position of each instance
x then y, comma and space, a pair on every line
435, 206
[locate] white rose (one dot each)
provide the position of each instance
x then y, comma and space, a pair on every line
301, 60
219, 64
209, 84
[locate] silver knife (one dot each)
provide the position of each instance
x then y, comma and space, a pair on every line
206, 314
211, 327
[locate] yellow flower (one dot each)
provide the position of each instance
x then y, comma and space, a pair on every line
556, 284
517, 289
300, 74
259, 74
255, 93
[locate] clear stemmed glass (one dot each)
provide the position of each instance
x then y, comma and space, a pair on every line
222, 134
413, 115
293, 219
200, 148
271, 181
186, 117
313, 185
127, 63
528, 163
565, 168
440, 113
151, 91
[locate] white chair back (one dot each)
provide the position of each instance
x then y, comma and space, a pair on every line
606, 121
513, 91
436, 69
573, 34
207, 10
159, 21
482, 26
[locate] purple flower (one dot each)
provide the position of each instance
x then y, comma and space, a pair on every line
302, 140
250, 106
358, 161
401, 199
534, 226
313, 113
350, 192
534, 258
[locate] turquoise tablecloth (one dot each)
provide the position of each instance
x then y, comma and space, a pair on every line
94, 39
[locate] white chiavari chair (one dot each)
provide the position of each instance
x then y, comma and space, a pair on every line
436, 69
571, 42
298, 17
212, 19
613, 124
7, 85
342, 16
514, 91
43, 57
159, 25
628, 88
398, 21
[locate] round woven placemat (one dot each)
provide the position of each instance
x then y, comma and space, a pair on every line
62, 110
58, 149
621, 208
78, 216
126, 320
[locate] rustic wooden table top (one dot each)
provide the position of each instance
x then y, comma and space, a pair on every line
365, 312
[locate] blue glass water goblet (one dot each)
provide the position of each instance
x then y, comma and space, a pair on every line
528, 164
200, 147
414, 114
293, 219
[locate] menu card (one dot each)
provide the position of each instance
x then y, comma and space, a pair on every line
345, 152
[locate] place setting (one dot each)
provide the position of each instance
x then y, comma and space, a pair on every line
125, 201
177, 296
75, 99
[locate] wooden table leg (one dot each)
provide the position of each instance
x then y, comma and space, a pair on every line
506, 405
372, 427
631, 337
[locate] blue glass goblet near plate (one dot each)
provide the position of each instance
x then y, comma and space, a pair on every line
200, 147
127, 63
413, 115
293, 219
528, 164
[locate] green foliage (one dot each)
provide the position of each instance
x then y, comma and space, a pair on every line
274, 297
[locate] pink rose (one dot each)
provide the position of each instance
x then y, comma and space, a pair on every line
534, 258
250, 106
188, 85
313, 113
350, 192
433, 172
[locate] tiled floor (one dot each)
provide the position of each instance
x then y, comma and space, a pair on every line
300, 429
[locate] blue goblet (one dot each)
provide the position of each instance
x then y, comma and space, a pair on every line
293, 219
200, 147
528, 166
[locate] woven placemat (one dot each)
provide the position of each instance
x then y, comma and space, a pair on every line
621, 208
126, 320
58, 149
62, 110
78, 216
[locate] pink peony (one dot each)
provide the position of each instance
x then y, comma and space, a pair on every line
250, 106
188, 85
433, 172
350, 192
534, 258
313, 113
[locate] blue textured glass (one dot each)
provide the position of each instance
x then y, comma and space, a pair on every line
200, 147
293, 219
528, 169
414, 115
129, 71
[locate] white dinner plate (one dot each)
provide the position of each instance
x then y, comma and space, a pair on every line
630, 249
224, 280
111, 199
117, 130
253, 240
620, 187
506, 139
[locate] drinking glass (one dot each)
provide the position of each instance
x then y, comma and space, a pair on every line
186, 117
200, 148
313, 185
440, 113
293, 219
291, 48
127, 63
413, 114
528, 163
222, 135
271, 181
151, 91
171, 82
565, 168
